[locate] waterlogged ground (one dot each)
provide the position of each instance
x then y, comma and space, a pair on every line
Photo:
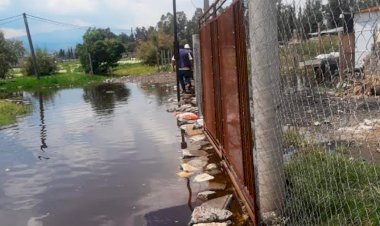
98, 156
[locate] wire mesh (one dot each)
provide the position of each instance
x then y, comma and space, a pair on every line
327, 109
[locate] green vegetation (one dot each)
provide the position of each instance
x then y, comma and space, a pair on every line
10, 51
105, 50
46, 64
9, 111
134, 69
55, 81
330, 189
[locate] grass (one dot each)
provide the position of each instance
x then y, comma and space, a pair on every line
134, 69
65, 80
330, 189
9, 111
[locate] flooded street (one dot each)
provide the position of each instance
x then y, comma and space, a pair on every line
99, 156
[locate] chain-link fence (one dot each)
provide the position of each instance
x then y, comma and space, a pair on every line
327, 103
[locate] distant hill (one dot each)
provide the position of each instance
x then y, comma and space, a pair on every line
53, 41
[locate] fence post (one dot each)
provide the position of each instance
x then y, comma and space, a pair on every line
265, 64
197, 73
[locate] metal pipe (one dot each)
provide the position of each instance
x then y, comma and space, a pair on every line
183, 143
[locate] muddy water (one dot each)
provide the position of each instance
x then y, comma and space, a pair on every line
104, 155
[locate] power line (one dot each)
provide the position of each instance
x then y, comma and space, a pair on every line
192, 2
57, 22
8, 22
8, 18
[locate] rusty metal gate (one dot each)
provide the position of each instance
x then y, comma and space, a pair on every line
226, 93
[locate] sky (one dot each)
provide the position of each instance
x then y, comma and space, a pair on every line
119, 15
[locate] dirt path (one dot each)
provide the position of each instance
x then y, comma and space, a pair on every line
155, 78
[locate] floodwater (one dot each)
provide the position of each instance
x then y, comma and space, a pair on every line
98, 156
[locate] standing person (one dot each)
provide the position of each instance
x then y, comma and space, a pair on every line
185, 68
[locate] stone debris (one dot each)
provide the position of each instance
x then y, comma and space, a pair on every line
208, 148
203, 178
195, 153
204, 196
217, 186
184, 174
185, 121
202, 143
200, 162
190, 131
197, 138
189, 168
214, 172
227, 223
194, 147
211, 166
198, 124
219, 203
209, 215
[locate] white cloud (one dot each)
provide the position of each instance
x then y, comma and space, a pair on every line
13, 33
4, 3
64, 6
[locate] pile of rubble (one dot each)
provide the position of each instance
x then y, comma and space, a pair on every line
199, 164
188, 103
368, 86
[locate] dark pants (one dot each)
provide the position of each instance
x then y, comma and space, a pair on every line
185, 78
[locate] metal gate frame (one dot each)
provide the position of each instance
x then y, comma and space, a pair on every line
226, 94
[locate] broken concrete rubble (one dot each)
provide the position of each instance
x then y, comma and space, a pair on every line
193, 153
217, 186
219, 203
227, 223
203, 178
208, 215
184, 174
211, 166
204, 196
198, 138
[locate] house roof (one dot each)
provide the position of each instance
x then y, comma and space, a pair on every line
371, 9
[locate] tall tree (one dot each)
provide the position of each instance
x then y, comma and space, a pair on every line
10, 52
103, 47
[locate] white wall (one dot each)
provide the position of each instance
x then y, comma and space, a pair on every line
364, 24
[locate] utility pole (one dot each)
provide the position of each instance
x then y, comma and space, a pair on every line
176, 50
270, 178
206, 5
31, 46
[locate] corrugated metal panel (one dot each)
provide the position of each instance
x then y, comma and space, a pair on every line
226, 95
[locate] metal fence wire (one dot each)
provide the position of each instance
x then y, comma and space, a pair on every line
326, 96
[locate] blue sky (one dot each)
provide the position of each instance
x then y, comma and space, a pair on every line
116, 14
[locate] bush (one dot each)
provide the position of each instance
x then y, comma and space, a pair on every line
46, 64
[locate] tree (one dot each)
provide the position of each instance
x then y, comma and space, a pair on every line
193, 25
286, 20
46, 64
10, 52
103, 46
149, 51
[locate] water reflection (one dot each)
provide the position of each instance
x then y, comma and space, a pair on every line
113, 170
159, 91
103, 98
43, 131
46, 95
